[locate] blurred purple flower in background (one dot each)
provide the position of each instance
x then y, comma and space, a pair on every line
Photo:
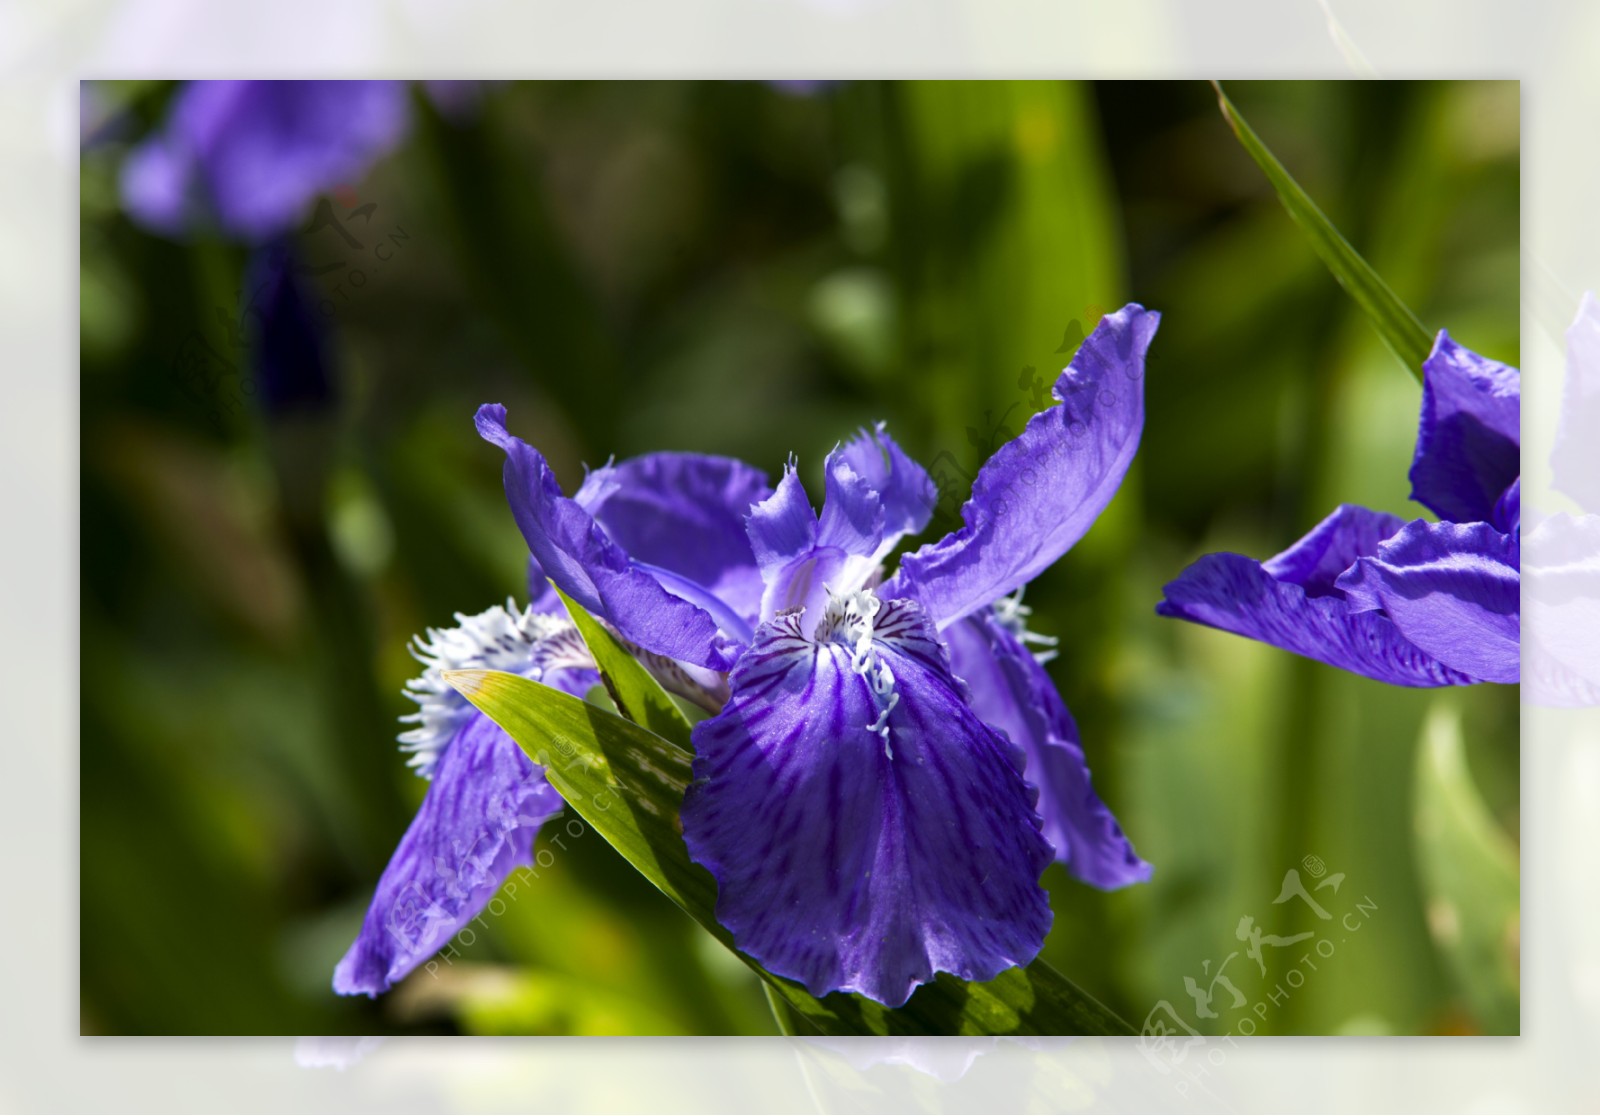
246, 158
1413, 604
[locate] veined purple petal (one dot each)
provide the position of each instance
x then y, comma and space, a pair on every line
1469, 441
476, 824
249, 156
898, 838
1011, 692
1237, 594
874, 495
1331, 547
1453, 590
1041, 492
1575, 461
904, 487
684, 513
577, 555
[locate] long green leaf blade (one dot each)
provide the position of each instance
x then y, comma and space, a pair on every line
1400, 329
629, 783
638, 696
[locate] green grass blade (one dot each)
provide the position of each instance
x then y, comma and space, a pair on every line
638, 696
1400, 329
628, 784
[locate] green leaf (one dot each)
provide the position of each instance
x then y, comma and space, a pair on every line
637, 695
1400, 329
628, 784
1470, 877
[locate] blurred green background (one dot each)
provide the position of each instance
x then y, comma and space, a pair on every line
747, 269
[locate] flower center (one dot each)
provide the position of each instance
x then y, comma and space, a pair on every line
528, 643
848, 620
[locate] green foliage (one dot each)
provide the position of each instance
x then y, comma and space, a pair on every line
1470, 877
1394, 321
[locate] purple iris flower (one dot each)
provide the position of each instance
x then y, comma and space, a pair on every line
247, 157
1414, 604
889, 768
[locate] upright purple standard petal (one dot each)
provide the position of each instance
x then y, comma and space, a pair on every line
1294, 601
1041, 491
1011, 692
874, 496
576, 554
1469, 439
684, 513
1452, 589
249, 156
476, 824
897, 836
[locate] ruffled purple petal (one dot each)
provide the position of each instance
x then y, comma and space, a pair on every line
475, 826
589, 567
249, 156
1011, 692
1469, 442
904, 487
1042, 491
878, 862
1237, 594
1332, 547
1453, 590
684, 513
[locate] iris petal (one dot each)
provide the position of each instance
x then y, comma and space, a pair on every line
1011, 692
904, 487
1331, 547
1469, 438
879, 861
1452, 589
1237, 594
1042, 491
577, 555
684, 513
477, 823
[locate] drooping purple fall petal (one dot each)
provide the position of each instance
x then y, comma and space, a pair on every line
1453, 590
475, 826
897, 838
1012, 692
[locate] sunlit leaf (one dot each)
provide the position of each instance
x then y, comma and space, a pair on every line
637, 695
1400, 329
